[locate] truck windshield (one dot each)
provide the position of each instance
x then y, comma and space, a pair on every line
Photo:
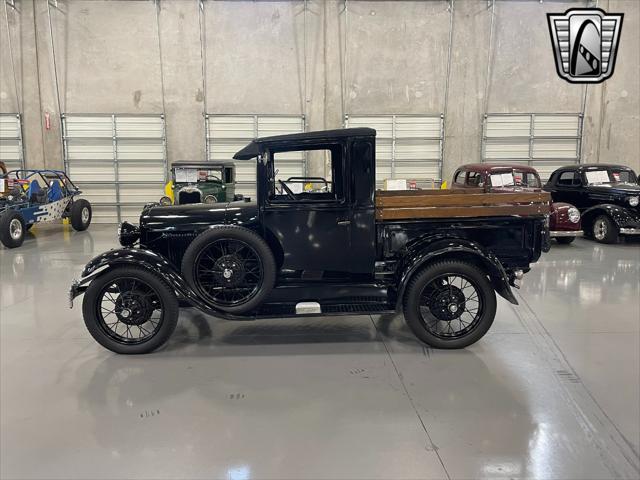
612, 175
290, 179
515, 178
195, 175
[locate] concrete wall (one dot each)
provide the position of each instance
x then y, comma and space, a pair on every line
325, 60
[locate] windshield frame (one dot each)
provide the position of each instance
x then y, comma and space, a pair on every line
217, 168
610, 171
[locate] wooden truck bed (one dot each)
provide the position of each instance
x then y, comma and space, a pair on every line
417, 204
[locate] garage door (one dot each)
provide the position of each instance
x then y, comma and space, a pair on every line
226, 134
544, 141
407, 146
118, 161
11, 140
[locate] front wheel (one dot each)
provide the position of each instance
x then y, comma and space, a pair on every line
80, 215
450, 304
604, 230
12, 229
129, 310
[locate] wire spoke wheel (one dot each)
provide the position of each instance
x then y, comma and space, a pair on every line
450, 306
129, 310
228, 272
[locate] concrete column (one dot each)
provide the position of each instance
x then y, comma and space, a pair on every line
49, 108
467, 83
612, 113
32, 128
182, 75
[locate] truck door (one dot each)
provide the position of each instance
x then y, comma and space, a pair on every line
309, 214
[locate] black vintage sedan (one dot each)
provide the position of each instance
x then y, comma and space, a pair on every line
606, 195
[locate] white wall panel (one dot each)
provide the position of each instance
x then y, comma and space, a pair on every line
118, 161
11, 152
544, 141
407, 146
226, 134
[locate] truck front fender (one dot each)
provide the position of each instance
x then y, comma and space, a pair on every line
455, 249
623, 217
140, 258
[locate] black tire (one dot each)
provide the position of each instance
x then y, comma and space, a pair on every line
12, 229
428, 278
257, 257
565, 240
80, 215
149, 287
604, 230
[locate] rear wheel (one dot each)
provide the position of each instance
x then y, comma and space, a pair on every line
604, 230
130, 310
565, 240
231, 268
450, 304
12, 229
80, 215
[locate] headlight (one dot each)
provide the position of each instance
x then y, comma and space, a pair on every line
209, 199
574, 215
128, 234
166, 201
633, 201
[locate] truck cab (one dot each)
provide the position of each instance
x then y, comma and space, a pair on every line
326, 243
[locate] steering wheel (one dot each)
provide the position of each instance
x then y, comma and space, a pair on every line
288, 191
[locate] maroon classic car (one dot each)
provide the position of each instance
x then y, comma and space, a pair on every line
564, 218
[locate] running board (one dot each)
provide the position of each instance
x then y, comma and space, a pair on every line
309, 309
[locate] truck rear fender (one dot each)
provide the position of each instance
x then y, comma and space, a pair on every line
140, 258
621, 216
421, 255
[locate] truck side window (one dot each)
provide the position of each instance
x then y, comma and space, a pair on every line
460, 176
474, 179
566, 179
323, 180
228, 175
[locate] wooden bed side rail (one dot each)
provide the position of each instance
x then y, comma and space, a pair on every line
451, 205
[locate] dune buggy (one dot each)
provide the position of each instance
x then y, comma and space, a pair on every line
28, 197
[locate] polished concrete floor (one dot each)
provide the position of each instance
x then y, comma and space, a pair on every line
553, 391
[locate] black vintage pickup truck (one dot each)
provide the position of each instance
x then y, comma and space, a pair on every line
317, 246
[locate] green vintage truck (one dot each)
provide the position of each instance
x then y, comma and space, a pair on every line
200, 182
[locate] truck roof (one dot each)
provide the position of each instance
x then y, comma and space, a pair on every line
492, 167
253, 149
202, 164
590, 166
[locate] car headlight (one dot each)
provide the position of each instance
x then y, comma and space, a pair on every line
574, 215
633, 201
166, 201
128, 234
209, 199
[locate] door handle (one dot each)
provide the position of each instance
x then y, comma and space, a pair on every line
344, 222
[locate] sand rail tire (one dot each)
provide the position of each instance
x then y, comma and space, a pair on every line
12, 228
80, 215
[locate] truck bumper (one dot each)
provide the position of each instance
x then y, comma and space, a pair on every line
566, 233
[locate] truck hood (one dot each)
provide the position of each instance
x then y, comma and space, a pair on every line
197, 217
